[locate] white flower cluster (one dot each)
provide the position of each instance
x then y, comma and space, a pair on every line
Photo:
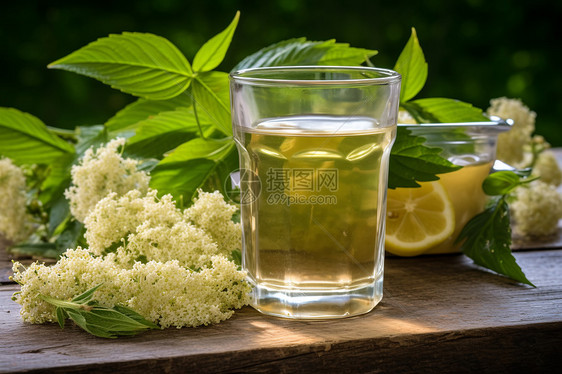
536, 209
149, 257
546, 167
14, 220
170, 266
148, 228
166, 293
513, 143
100, 172
214, 215
538, 206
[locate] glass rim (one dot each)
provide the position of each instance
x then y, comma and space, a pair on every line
495, 123
388, 76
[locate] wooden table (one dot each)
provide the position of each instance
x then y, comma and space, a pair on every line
439, 314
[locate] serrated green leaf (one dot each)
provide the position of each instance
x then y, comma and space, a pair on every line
413, 68
211, 149
166, 131
341, 54
444, 111
26, 140
300, 52
211, 54
487, 240
143, 65
411, 161
211, 93
189, 166
143, 109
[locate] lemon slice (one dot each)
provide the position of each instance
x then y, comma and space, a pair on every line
418, 218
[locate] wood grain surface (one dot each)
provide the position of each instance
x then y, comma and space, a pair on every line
439, 314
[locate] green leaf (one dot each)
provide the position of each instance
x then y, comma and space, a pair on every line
43, 250
144, 65
300, 51
504, 182
86, 296
143, 109
189, 166
223, 170
211, 149
500, 183
211, 54
90, 136
134, 315
412, 162
97, 320
236, 257
487, 240
341, 54
52, 188
165, 131
112, 320
26, 140
61, 316
59, 213
70, 236
444, 110
211, 92
413, 68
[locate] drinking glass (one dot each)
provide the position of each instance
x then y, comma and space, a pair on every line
314, 145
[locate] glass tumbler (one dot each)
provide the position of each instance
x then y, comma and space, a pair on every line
314, 145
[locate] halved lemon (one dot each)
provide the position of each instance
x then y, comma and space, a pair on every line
418, 218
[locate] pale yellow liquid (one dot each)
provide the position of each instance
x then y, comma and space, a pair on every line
323, 259
464, 188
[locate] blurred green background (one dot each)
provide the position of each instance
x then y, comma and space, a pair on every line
476, 49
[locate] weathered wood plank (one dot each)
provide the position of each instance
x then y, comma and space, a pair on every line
439, 314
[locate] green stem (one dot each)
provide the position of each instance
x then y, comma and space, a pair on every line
61, 303
64, 133
197, 118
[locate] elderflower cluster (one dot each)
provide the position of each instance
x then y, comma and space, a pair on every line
513, 143
100, 172
546, 167
210, 212
149, 228
165, 293
537, 209
14, 220
150, 257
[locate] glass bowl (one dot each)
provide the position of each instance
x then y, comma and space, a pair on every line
471, 145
